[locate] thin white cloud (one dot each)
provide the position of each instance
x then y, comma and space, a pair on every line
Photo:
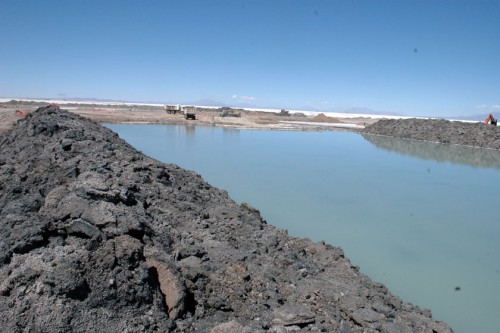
244, 98
324, 102
486, 106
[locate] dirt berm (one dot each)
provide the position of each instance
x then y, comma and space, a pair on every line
442, 131
96, 237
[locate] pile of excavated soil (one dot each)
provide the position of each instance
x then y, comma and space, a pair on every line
96, 237
443, 131
322, 118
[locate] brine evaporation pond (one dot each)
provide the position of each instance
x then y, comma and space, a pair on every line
422, 218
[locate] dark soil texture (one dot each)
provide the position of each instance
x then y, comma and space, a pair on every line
97, 237
442, 131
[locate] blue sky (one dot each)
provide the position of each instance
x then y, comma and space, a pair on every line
430, 58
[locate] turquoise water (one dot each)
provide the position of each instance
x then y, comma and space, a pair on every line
418, 217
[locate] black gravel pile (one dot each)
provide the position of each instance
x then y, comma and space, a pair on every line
96, 237
443, 131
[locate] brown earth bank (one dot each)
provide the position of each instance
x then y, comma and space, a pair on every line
96, 237
442, 131
11, 111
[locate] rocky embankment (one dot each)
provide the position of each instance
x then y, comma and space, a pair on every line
442, 131
96, 237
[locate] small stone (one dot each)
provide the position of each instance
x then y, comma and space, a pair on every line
293, 314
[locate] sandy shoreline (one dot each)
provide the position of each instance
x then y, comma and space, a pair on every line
155, 114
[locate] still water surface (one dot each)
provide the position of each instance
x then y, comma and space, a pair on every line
422, 218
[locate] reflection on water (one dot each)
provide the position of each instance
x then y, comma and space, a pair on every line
175, 134
230, 135
486, 158
230, 131
189, 132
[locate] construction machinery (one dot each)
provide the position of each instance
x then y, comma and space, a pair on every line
188, 111
283, 113
228, 112
173, 109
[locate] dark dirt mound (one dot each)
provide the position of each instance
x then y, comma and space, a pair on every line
96, 237
443, 131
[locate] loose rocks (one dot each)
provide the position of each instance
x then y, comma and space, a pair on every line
442, 131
